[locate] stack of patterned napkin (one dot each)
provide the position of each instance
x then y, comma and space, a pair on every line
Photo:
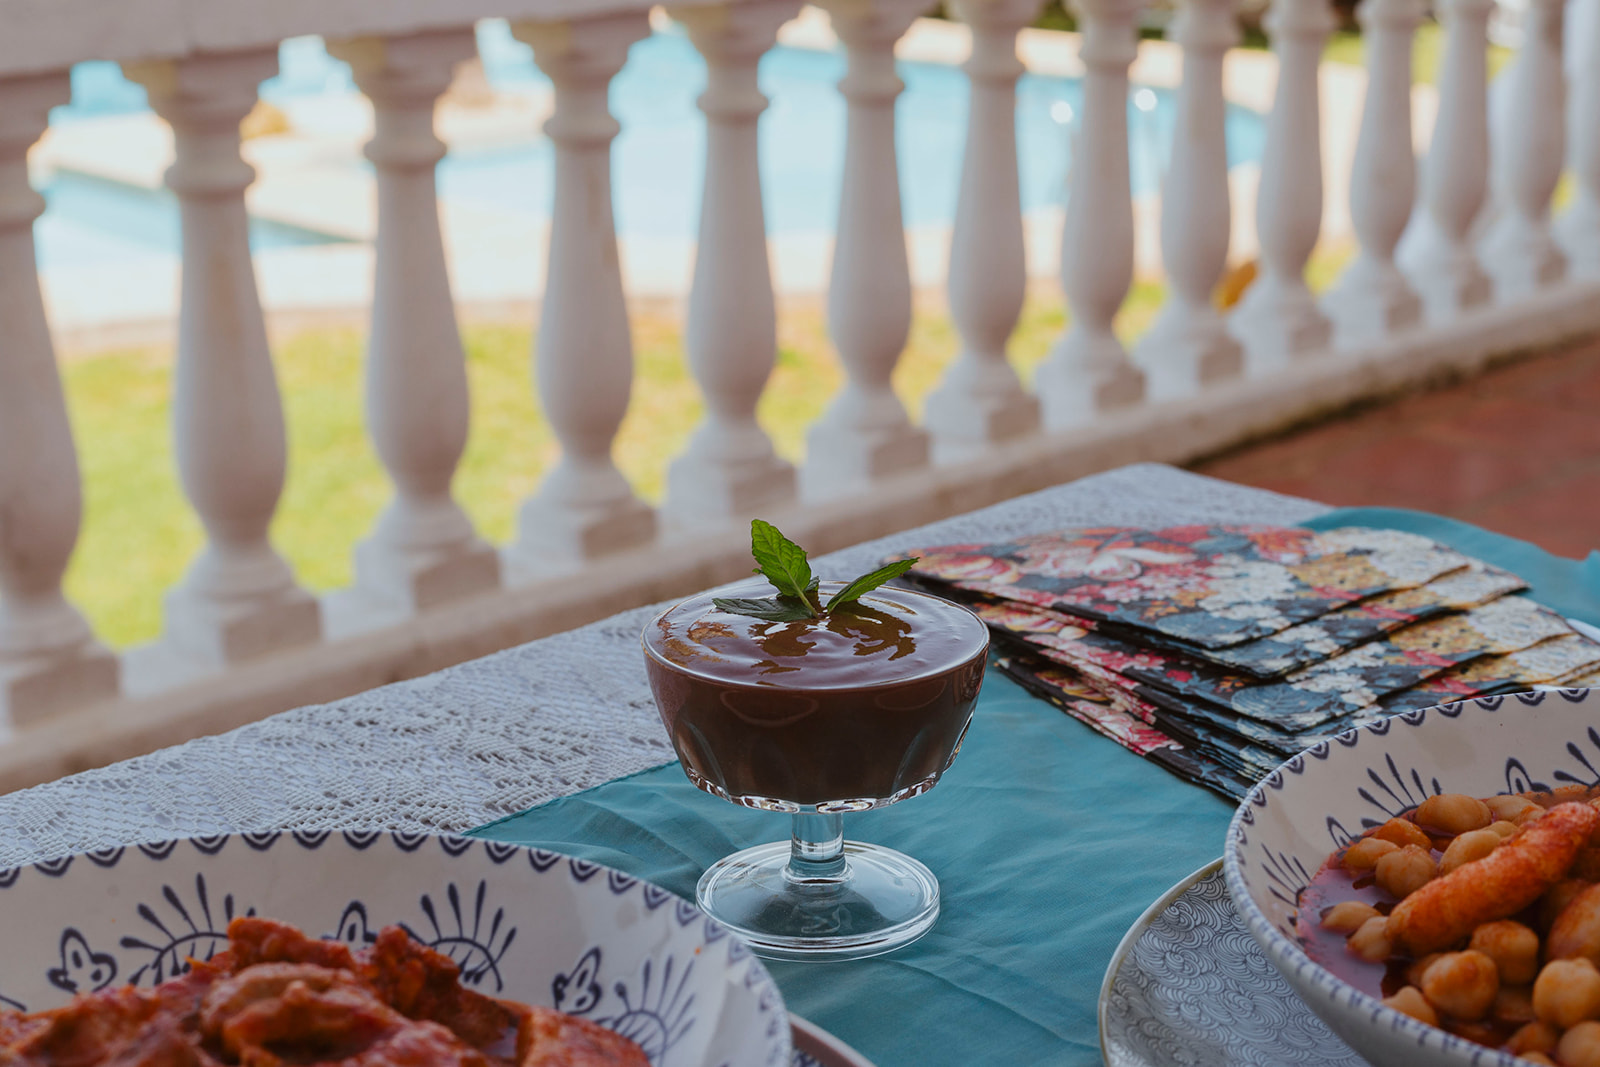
1220, 651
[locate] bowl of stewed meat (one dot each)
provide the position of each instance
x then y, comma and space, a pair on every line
1430, 884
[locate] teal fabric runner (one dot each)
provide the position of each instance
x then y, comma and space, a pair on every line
1048, 842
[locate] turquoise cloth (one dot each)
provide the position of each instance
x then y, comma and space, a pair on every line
1048, 841
1570, 586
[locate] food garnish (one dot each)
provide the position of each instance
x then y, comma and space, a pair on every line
784, 564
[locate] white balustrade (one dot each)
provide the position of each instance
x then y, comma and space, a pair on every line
1528, 145
729, 467
584, 351
1088, 370
1278, 321
1578, 229
423, 550
1189, 346
865, 434
239, 599
1373, 298
1438, 258
981, 400
49, 659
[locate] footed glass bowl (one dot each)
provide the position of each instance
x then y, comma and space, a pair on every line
863, 707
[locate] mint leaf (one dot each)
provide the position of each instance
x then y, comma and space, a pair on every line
868, 582
781, 560
772, 609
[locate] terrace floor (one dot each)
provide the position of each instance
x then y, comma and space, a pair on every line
1515, 449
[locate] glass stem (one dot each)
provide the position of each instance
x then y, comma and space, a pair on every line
816, 848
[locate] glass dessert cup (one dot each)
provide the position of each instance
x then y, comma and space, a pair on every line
864, 707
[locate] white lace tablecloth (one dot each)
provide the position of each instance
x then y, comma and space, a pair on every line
494, 736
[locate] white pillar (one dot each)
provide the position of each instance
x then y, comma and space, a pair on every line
1189, 346
1278, 320
423, 550
1373, 299
1088, 370
865, 434
1438, 258
730, 468
981, 399
1518, 251
239, 599
1578, 229
49, 659
584, 362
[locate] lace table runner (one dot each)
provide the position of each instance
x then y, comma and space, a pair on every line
494, 736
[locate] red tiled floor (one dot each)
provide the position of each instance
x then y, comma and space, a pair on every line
1516, 449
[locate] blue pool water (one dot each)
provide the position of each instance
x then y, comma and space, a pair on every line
659, 155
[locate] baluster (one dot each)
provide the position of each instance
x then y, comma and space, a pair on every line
1189, 346
1373, 299
729, 468
1278, 320
1578, 229
981, 399
423, 549
1439, 258
865, 433
1518, 251
1088, 370
239, 598
584, 359
49, 659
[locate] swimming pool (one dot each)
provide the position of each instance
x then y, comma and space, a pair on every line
659, 156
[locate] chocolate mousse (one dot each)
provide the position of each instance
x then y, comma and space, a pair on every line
860, 706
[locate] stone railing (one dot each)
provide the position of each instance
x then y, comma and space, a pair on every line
244, 639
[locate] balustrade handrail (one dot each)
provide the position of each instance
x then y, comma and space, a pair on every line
1481, 272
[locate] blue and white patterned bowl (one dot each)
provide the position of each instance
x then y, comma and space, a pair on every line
1321, 799
524, 924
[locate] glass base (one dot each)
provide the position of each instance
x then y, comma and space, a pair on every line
863, 900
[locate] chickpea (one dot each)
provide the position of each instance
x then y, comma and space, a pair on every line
1529, 815
1364, 854
1420, 967
1454, 813
1580, 1046
1513, 1004
1371, 941
1347, 916
1403, 832
1534, 1037
1576, 931
1540, 1058
1462, 984
1406, 871
1472, 845
1410, 1001
1509, 806
1567, 992
1556, 899
1506, 830
1513, 947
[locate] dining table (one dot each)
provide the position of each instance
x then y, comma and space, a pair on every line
1048, 840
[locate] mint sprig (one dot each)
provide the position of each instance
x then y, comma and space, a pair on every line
784, 564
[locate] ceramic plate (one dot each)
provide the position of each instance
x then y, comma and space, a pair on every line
523, 923
1189, 986
815, 1047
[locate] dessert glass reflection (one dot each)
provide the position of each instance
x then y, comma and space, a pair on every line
862, 707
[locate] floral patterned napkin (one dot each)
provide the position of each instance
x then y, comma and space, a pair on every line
1210, 586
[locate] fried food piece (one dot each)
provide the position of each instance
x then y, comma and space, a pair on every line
1576, 931
550, 1038
86, 1031
253, 941
1498, 886
304, 1025
420, 983
265, 981
161, 1043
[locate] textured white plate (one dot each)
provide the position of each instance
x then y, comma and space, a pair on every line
1189, 986
525, 924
